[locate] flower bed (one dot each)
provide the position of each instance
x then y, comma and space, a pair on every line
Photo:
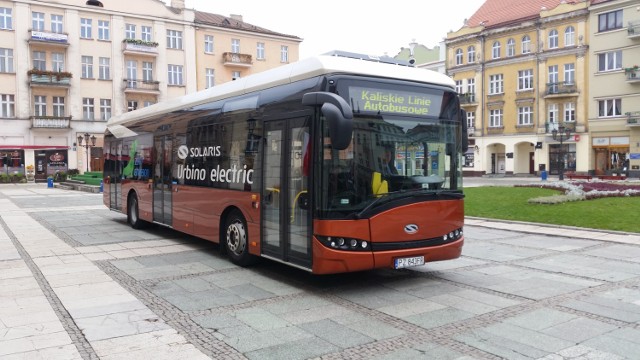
584, 190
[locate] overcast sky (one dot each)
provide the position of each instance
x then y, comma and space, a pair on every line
368, 27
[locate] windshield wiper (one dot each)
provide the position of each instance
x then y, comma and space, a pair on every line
386, 197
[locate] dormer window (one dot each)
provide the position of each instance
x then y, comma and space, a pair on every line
94, 3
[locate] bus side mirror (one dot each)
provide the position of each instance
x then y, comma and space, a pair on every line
338, 113
465, 131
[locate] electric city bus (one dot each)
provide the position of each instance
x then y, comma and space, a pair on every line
293, 164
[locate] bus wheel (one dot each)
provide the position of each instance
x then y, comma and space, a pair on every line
236, 240
133, 213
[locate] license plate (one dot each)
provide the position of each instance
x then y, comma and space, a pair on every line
408, 262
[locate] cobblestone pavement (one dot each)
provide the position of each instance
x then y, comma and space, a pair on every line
77, 283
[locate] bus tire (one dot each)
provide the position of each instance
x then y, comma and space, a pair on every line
133, 213
236, 239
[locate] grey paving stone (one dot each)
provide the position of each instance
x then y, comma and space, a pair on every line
218, 321
374, 329
337, 334
579, 330
611, 308
622, 342
301, 349
500, 346
499, 252
437, 318
540, 319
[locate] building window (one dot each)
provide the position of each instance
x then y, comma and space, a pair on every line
495, 118
174, 39
132, 105
459, 86
58, 106
40, 60
459, 56
210, 78
130, 31
235, 75
105, 68
610, 21
85, 28
569, 112
609, 108
495, 50
471, 54
105, 109
7, 106
569, 73
132, 73
496, 85
569, 36
553, 80
37, 21
511, 47
471, 89
87, 109
57, 24
235, 46
103, 30
145, 33
610, 61
57, 60
553, 39
39, 105
175, 75
525, 115
260, 51
525, 79
471, 119
87, 67
6, 21
208, 44
552, 113
526, 44
147, 103
147, 71
6, 60
284, 54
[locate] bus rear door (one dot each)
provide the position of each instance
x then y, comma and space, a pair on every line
162, 180
286, 221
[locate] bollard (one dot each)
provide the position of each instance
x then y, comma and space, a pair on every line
101, 185
543, 175
49, 182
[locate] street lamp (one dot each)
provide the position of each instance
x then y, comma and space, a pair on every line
561, 134
87, 145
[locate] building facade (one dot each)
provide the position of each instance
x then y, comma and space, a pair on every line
67, 66
520, 68
614, 78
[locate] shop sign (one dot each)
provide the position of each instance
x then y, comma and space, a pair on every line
57, 157
620, 140
600, 141
634, 156
576, 137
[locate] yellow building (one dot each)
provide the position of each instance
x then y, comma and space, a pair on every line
520, 68
66, 66
614, 78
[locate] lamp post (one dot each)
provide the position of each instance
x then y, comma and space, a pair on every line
87, 138
561, 134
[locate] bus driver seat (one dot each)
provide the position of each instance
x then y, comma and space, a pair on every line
379, 186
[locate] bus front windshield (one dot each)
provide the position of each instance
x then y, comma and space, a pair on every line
392, 157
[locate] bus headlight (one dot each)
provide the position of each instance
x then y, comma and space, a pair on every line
343, 243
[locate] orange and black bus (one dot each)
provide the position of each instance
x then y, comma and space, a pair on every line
332, 164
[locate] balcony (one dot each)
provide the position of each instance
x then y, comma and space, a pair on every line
139, 47
467, 98
141, 86
50, 122
44, 37
235, 59
550, 126
632, 74
633, 30
561, 89
633, 118
49, 78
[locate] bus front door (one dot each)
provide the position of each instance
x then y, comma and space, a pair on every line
115, 177
162, 180
286, 220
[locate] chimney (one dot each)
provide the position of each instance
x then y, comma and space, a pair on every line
236, 17
178, 4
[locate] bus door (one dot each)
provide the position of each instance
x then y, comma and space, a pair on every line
115, 179
286, 219
162, 179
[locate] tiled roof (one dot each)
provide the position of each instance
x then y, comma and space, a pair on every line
230, 23
496, 12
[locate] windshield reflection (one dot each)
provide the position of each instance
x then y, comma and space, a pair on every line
389, 155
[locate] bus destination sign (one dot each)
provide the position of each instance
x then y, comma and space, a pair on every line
392, 101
